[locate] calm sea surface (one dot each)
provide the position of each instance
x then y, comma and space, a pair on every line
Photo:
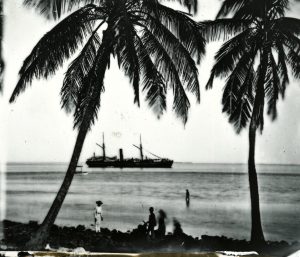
219, 197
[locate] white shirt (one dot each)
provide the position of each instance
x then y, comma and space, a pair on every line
98, 211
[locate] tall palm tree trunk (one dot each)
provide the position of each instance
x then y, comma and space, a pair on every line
38, 241
257, 236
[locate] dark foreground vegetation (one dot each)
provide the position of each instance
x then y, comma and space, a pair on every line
17, 234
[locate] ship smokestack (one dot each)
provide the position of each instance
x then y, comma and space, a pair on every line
121, 155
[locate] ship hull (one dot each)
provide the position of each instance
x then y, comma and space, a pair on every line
129, 164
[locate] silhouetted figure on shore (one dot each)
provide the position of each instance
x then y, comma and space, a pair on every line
161, 231
151, 223
177, 230
187, 198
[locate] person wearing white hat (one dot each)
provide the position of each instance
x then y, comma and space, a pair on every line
98, 216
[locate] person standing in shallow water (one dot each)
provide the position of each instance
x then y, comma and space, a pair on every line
187, 198
98, 216
151, 222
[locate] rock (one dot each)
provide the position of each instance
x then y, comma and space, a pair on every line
3, 247
80, 228
284, 243
63, 249
25, 254
79, 250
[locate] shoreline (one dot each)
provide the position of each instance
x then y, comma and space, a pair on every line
16, 234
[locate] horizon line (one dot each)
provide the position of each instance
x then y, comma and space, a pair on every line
179, 162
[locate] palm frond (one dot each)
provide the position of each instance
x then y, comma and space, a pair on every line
54, 48
242, 112
156, 98
292, 43
229, 6
152, 80
246, 9
77, 71
278, 8
238, 79
272, 86
261, 9
288, 25
238, 92
182, 26
126, 53
185, 64
168, 69
88, 100
246, 89
293, 59
253, 9
223, 28
282, 68
54, 9
259, 98
230, 53
192, 5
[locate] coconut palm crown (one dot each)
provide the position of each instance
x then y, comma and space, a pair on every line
261, 43
154, 45
255, 61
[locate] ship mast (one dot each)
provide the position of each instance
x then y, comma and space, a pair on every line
141, 148
103, 147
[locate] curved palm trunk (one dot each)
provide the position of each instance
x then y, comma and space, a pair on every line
38, 241
257, 236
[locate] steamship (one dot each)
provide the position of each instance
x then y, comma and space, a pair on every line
121, 162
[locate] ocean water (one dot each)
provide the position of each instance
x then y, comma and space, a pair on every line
220, 200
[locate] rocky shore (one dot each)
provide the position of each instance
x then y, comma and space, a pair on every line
17, 234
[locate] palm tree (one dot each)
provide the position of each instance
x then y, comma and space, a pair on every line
261, 43
153, 44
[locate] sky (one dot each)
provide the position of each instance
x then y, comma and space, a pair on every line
35, 129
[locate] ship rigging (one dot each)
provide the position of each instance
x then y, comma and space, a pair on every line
121, 162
